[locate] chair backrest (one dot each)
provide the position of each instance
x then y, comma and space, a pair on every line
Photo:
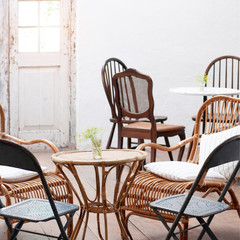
221, 113
226, 152
15, 155
224, 72
2, 119
134, 95
109, 69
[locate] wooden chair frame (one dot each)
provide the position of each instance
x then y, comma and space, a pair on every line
124, 87
111, 67
147, 187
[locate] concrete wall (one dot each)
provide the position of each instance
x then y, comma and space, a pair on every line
172, 41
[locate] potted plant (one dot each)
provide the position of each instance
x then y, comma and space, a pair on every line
92, 134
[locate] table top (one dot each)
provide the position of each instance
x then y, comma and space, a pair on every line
207, 91
110, 157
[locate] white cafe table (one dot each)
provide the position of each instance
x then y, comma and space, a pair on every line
207, 91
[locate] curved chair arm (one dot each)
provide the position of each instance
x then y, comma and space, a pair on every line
30, 142
169, 149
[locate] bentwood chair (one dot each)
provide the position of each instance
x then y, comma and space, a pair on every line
109, 69
223, 72
188, 205
134, 100
35, 209
166, 178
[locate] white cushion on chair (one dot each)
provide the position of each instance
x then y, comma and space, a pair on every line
210, 142
180, 171
11, 174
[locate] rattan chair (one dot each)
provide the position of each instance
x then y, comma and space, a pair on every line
14, 192
189, 205
134, 99
148, 187
109, 69
34, 209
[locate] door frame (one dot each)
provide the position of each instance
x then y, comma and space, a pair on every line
70, 37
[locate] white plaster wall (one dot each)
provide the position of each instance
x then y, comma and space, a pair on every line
172, 41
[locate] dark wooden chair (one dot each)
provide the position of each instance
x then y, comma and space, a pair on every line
33, 209
109, 69
223, 72
134, 100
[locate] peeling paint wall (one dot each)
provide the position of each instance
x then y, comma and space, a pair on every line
73, 73
4, 58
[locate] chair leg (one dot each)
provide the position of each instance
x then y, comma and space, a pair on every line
168, 145
7, 221
153, 151
207, 228
165, 225
129, 143
111, 136
181, 151
16, 230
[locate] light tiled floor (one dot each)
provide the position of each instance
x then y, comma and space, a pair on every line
225, 225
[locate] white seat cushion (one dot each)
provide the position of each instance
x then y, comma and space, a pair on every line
180, 171
210, 142
11, 174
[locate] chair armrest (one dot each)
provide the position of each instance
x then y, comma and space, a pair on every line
168, 149
30, 142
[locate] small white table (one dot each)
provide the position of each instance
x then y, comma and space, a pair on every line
207, 91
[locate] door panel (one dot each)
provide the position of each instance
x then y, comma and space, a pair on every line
39, 86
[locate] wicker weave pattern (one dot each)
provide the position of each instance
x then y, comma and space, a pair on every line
224, 113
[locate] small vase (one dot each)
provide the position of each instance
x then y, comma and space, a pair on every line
97, 149
202, 86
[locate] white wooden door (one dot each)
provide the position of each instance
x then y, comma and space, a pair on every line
39, 70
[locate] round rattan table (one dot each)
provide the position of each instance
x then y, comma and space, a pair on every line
126, 162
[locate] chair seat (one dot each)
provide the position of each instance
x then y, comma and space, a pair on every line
198, 207
36, 210
146, 126
160, 119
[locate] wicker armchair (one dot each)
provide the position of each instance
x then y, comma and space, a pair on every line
148, 187
14, 192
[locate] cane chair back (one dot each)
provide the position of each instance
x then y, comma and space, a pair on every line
14, 155
134, 99
223, 72
224, 112
111, 67
189, 205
